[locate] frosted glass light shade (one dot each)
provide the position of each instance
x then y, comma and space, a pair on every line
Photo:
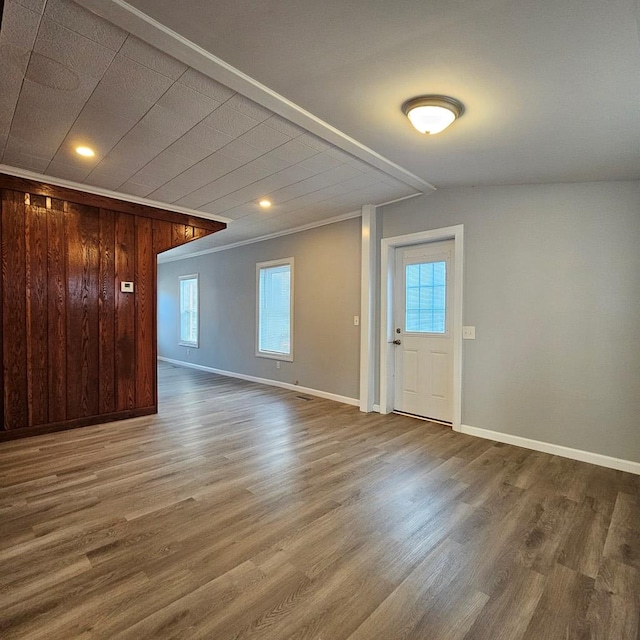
432, 114
87, 152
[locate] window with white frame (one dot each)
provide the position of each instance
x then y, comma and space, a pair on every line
189, 310
274, 285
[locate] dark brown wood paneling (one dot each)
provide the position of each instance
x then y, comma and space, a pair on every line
14, 331
57, 311
199, 232
93, 200
145, 301
75, 350
162, 236
36, 282
125, 313
178, 234
83, 269
106, 320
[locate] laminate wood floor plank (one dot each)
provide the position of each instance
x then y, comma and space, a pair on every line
613, 610
72, 608
509, 609
624, 532
584, 546
345, 592
562, 609
494, 537
243, 511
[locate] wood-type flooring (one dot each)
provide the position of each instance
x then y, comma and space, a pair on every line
245, 511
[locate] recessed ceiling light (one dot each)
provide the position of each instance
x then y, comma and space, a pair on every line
87, 152
432, 114
265, 204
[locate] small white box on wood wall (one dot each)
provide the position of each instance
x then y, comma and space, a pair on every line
126, 287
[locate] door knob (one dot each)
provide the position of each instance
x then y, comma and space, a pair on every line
397, 342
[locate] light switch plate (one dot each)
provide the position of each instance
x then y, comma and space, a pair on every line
126, 287
468, 333
356, 321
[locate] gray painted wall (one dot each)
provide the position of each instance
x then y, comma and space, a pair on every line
327, 296
552, 284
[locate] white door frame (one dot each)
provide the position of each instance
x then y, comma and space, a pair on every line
387, 360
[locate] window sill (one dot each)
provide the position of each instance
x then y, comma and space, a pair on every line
283, 357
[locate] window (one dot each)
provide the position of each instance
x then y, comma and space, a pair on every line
189, 310
426, 297
275, 309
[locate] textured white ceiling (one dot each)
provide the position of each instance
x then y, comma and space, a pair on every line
551, 87
162, 130
551, 90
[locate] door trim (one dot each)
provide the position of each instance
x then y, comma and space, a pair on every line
387, 361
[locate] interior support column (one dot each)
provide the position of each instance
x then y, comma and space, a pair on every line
367, 307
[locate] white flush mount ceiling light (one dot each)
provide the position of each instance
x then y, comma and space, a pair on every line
265, 204
432, 114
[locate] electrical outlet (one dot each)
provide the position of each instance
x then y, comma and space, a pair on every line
468, 333
277, 364
188, 352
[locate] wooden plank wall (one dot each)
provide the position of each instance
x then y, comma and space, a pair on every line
75, 350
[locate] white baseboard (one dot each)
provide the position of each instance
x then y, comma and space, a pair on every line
554, 449
273, 383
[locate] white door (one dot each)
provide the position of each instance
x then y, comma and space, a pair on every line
423, 330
